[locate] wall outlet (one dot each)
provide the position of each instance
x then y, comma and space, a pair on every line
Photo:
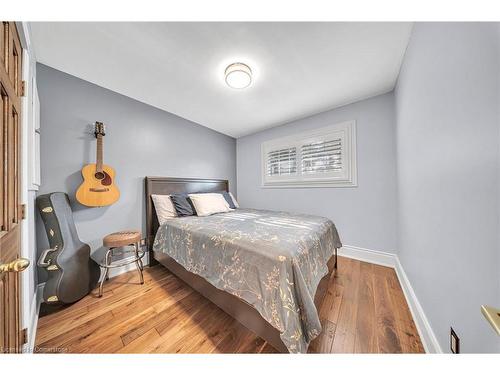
454, 342
143, 242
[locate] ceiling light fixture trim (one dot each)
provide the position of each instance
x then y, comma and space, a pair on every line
238, 75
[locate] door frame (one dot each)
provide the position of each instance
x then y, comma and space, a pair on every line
29, 300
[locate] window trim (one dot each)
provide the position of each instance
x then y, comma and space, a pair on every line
349, 129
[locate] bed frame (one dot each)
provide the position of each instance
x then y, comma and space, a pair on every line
234, 306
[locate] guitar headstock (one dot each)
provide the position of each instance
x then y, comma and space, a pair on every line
99, 130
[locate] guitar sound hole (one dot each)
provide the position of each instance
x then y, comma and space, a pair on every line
100, 175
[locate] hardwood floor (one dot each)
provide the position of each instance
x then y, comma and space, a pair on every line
364, 311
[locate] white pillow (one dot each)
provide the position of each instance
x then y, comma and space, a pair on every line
235, 202
209, 203
164, 207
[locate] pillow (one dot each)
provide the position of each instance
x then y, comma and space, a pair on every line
183, 205
236, 204
228, 199
209, 203
164, 208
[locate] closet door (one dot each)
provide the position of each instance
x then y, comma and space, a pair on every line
10, 209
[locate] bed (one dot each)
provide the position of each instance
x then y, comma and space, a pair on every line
267, 269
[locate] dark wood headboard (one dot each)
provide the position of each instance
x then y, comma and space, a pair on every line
170, 185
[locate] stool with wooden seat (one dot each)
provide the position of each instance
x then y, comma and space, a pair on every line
118, 240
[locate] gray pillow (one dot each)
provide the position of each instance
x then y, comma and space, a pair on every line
183, 205
228, 199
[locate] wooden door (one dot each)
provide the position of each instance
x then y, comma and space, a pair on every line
10, 209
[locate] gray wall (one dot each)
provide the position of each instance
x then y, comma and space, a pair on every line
448, 164
140, 140
365, 215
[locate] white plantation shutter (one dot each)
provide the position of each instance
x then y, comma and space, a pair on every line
282, 162
321, 157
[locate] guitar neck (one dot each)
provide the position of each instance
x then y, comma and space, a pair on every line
99, 153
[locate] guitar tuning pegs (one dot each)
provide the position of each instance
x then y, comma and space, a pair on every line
99, 129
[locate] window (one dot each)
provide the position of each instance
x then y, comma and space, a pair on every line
321, 157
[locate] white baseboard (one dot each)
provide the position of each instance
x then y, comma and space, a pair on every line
429, 340
113, 272
427, 336
366, 255
34, 312
127, 268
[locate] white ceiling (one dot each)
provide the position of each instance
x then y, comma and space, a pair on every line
299, 68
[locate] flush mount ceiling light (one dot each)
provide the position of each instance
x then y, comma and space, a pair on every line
238, 75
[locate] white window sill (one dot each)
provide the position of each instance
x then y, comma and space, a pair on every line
310, 185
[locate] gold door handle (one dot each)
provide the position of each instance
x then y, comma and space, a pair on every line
492, 315
18, 265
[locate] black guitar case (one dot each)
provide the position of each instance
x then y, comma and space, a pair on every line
72, 274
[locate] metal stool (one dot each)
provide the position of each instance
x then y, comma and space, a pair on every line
118, 240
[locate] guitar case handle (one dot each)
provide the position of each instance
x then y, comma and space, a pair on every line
42, 262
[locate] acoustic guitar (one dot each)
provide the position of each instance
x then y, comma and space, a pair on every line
98, 188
